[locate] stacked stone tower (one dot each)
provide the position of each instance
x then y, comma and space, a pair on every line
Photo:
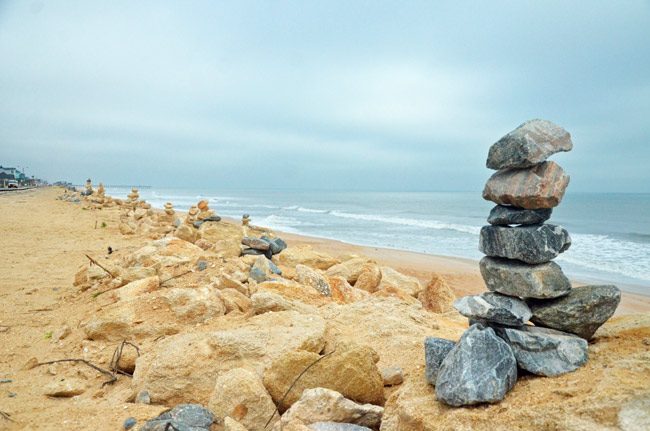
524, 283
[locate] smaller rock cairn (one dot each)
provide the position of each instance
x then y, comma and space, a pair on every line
245, 220
263, 246
89, 188
524, 283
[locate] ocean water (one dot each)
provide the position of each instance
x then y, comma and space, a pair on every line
610, 232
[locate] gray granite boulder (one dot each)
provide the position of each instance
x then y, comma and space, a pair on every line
336, 426
277, 244
529, 144
494, 308
545, 352
435, 351
481, 368
515, 278
256, 243
531, 244
183, 417
581, 312
502, 215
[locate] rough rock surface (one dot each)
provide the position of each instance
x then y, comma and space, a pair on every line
183, 417
229, 424
581, 312
437, 297
531, 244
369, 277
264, 302
391, 278
65, 387
435, 351
544, 351
392, 376
495, 308
313, 278
240, 394
541, 186
305, 255
481, 368
351, 370
184, 367
502, 215
326, 405
336, 426
349, 269
529, 144
515, 278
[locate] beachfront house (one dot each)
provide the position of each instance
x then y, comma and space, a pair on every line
7, 174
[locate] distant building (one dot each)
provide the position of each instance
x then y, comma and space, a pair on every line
7, 174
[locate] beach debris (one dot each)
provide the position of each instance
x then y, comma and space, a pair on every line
321, 405
582, 311
481, 368
435, 351
193, 417
520, 248
531, 244
392, 376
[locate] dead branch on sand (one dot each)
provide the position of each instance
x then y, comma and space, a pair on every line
112, 376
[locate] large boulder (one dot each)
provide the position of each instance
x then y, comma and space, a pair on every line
265, 302
184, 367
168, 251
515, 278
529, 144
494, 308
437, 297
531, 244
312, 278
541, 186
481, 368
305, 255
502, 215
544, 351
369, 277
184, 417
326, 405
392, 279
435, 351
213, 232
351, 370
240, 394
581, 312
349, 269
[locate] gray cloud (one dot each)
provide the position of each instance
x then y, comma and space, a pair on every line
356, 95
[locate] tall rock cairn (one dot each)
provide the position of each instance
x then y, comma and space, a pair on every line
524, 283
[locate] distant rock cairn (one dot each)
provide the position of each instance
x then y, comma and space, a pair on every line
524, 283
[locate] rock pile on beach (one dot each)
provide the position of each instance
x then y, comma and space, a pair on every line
524, 283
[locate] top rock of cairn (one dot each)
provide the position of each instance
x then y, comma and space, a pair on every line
529, 144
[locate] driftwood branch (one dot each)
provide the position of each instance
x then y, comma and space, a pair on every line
176, 276
293, 384
6, 416
117, 355
93, 261
112, 376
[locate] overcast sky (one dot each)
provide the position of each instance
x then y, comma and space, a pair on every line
385, 95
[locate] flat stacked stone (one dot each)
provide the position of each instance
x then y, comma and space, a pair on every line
525, 284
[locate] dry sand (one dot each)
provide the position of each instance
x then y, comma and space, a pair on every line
42, 245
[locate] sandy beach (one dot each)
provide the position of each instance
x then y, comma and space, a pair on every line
44, 243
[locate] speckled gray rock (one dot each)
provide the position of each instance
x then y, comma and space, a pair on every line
435, 351
529, 144
581, 312
502, 215
129, 423
277, 244
515, 278
183, 417
531, 244
336, 426
256, 243
481, 368
494, 307
544, 351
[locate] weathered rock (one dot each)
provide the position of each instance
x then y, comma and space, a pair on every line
326, 405
435, 351
164, 252
495, 308
313, 278
227, 248
515, 278
305, 255
184, 367
129, 423
143, 397
529, 144
214, 232
369, 277
263, 269
137, 288
343, 292
544, 351
391, 278
227, 281
264, 302
350, 370
502, 215
65, 388
541, 186
62, 332
392, 376
581, 312
277, 244
481, 368
186, 233
349, 269
336, 426
256, 243
240, 394
235, 300
437, 297
635, 414
134, 273
183, 417
531, 244
229, 424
